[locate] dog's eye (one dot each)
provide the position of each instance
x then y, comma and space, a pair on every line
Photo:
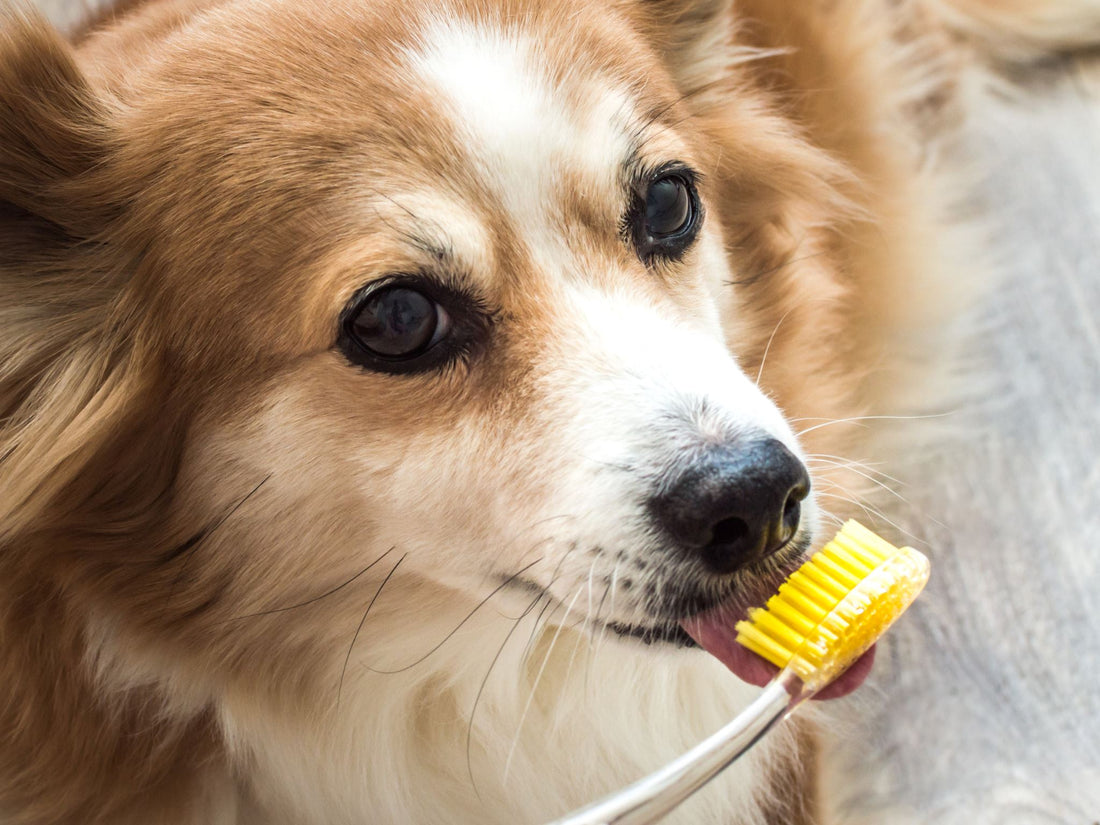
667, 207
395, 328
398, 322
666, 216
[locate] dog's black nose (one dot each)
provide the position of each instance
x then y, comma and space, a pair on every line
734, 504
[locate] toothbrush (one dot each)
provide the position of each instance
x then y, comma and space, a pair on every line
825, 616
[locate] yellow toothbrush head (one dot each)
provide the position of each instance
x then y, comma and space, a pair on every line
835, 606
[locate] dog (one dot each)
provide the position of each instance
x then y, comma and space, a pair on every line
395, 397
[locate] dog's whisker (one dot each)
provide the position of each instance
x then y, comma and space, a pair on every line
588, 617
873, 512
538, 626
653, 117
597, 634
505, 546
458, 627
599, 642
584, 636
315, 599
604, 597
767, 349
481, 690
418, 240
538, 675
187, 550
828, 422
827, 466
611, 465
868, 466
843, 458
762, 273
550, 600
854, 469
536, 546
362, 621
835, 485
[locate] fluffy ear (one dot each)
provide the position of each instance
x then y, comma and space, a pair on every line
696, 37
59, 372
52, 134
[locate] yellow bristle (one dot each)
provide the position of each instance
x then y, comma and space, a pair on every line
845, 575
853, 558
864, 540
791, 615
774, 627
808, 588
853, 554
814, 612
760, 644
834, 607
819, 576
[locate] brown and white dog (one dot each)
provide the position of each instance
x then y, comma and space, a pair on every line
390, 391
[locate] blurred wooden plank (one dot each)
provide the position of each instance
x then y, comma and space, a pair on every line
987, 709
67, 13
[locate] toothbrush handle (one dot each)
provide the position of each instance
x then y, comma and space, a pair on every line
653, 796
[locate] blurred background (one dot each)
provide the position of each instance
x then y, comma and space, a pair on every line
985, 703
986, 707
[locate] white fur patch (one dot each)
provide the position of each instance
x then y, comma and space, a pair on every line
497, 90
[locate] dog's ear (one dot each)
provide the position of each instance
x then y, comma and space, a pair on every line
694, 36
60, 372
53, 133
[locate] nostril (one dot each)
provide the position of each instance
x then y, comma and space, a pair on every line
731, 541
802, 488
728, 531
784, 531
792, 509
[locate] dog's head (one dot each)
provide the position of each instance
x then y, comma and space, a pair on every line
458, 299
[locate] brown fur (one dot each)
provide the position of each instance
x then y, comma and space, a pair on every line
160, 287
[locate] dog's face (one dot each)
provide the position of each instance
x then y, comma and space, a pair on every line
474, 299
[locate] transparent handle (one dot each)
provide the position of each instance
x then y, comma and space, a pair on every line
650, 798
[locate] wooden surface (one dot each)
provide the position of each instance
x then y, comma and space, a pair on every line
985, 706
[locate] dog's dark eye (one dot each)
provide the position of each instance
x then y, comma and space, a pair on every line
395, 328
666, 217
667, 207
397, 322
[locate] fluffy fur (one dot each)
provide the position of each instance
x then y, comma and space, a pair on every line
243, 580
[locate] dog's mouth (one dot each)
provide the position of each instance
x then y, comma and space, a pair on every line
697, 620
713, 629
715, 632
671, 634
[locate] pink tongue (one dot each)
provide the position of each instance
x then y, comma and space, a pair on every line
714, 632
